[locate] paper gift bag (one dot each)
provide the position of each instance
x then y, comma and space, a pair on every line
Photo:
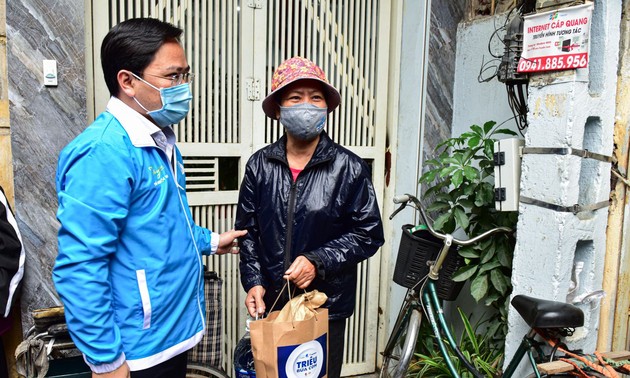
291, 348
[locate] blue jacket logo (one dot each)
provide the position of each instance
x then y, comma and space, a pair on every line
159, 174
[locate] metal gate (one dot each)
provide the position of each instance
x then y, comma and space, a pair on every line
233, 47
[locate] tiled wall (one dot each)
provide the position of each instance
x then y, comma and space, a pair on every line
43, 120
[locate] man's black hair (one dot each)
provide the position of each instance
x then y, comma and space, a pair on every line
131, 45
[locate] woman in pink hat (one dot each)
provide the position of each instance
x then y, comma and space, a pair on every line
308, 205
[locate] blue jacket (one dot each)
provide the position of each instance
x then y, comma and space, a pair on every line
330, 215
129, 269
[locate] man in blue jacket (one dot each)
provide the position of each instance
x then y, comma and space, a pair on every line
129, 269
308, 205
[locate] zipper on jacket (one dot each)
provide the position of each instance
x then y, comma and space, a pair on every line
172, 163
290, 216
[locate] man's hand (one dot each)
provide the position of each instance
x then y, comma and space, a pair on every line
121, 372
254, 301
302, 272
228, 242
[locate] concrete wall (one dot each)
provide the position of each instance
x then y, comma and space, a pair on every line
476, 102
571, 109
566, 109
43, 120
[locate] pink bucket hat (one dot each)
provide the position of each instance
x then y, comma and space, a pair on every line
292, 70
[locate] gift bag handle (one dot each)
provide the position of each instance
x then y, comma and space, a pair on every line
288, 286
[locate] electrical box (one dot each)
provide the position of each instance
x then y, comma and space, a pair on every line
50, 73
507, 173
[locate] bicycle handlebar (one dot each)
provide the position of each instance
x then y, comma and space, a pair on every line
405, 198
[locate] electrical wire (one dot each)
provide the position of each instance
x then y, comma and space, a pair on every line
517, 100
516, 86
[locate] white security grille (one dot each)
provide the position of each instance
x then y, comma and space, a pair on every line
340, 36
221, 217
233, 47
212, 128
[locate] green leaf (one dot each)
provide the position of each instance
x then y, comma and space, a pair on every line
428, 176
471, 173
464, 273
479, 287
504, 258
450, 160
460, 217
444, 197
439, 206
431, 191
477, 130
484, 195
468, 154
474, 141
488, 126
489, 266
491, 298
447, 171
466, 203
470, 333
504, 132
488, 148
489, 253
468, 252
457, 178
499, 281
441, 221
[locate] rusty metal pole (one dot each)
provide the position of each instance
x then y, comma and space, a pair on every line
614, 314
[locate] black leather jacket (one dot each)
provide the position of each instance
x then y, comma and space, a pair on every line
329, 215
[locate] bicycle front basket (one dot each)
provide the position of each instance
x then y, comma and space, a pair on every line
416, 250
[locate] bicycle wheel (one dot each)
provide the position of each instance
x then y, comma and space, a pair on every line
204, 371
401, 343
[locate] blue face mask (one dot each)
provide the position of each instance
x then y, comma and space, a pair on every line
175, 103
304, 121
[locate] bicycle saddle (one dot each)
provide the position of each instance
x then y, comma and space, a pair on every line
541, 313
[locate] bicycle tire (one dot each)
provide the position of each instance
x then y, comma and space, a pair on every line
401, 322
402, 342
204, 371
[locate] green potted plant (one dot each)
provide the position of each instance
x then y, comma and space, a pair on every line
475, 343
460, 182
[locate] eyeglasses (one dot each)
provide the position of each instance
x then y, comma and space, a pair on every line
177, 79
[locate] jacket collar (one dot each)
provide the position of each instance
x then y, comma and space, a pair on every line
135, 124
324, 151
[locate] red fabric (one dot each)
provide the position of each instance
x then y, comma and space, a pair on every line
295, 173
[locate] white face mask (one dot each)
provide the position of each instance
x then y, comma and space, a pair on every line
304, 121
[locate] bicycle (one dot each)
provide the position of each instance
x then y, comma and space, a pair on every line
48, 347
56, 340
549, 319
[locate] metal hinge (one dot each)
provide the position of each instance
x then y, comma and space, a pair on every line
256, 4
499, 158
499, 194
252, 86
